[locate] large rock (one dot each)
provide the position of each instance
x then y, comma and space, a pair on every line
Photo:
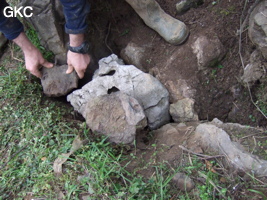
48, 23
116, 115
114, 76
209, 51
258, 27
56, 82
214, 136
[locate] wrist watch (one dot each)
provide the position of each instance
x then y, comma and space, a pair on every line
83, 48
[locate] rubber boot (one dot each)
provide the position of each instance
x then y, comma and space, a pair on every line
171, 29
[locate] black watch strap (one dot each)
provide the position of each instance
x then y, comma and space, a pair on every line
83, 48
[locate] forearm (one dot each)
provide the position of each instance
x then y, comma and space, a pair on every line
76, 39
11, 27
24, 43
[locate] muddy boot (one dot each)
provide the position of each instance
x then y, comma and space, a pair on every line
171, 29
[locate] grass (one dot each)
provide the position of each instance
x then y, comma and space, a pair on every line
262, 98
34, 134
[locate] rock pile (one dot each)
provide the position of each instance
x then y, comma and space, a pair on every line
114, 76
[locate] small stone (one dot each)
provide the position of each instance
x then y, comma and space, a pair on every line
183, 111
183, 182
133, 54
56, 82
209, 51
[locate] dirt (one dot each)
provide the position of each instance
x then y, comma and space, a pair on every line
218, 92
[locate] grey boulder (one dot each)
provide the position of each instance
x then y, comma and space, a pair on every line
113, 75
214, 136
117, 116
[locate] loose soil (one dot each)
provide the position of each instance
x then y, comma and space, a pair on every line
218, 92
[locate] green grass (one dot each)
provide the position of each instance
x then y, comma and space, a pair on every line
262, 98
34, 133
32, 35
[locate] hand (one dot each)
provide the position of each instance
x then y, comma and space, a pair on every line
34, 60
77, 61
33, 57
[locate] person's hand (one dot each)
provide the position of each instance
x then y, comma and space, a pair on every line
77, 61
34, 60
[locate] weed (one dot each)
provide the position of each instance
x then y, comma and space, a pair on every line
252, 118
32, 35
262, 98
125, 32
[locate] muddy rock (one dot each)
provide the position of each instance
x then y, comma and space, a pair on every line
133, 54
208, 50
49, 26
258, 27
56, 82
214, 137
255, 70
183, 111
185, 5
114, 76
183, 182
116, 115
169, 137
3, 40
